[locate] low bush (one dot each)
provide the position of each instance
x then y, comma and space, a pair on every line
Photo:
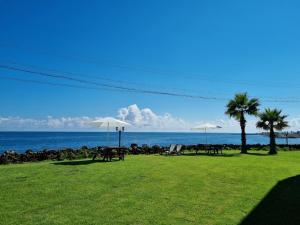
85, 152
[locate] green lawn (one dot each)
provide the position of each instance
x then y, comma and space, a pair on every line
153, 190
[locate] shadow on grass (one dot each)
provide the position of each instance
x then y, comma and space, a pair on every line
279, 207
205, 154
212, 155
259, 154
81, 162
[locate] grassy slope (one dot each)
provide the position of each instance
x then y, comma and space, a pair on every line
142, 189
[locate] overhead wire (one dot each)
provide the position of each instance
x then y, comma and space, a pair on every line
106, 85
140, 68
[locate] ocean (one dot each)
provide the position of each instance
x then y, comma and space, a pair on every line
22, 141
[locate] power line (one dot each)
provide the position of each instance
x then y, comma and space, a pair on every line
54, 84
269, 99
102, 89
54, 75
141, 68
97, 77
111, 87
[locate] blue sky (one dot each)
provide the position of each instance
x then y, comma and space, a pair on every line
206, 48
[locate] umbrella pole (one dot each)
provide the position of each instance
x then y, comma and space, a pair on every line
205, 137
119, 138
107, 135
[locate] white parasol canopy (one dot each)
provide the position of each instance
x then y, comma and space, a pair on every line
109, 122
205, 127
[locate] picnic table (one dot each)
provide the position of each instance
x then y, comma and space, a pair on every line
110, 152
213, 149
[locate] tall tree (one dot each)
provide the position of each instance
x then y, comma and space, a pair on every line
238, 108
271, 120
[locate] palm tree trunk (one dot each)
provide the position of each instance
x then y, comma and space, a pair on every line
243, 134
272, 142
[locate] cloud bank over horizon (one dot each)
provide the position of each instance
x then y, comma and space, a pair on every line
144, 119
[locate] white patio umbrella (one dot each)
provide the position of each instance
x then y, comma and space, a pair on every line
205, 127
108, 122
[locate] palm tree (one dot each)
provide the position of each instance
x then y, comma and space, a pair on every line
270, 120
238, 108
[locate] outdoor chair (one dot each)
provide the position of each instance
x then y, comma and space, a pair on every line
220, 148
178, 149
171, 150
211, 149
201, 148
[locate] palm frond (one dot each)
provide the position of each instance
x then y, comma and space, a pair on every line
272, 118
240, 105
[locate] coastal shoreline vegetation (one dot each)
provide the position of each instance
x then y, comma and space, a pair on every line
269, 120
12, 157
240, 106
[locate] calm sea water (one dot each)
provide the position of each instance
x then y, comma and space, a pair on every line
21, 141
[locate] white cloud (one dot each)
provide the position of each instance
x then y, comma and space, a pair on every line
146, 119
142, 120
48, 123
294, 123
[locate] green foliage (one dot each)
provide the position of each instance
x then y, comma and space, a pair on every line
238, 108
84, 148
145, 149
70, 155
241, 105
84, 153
272, 118
61, 156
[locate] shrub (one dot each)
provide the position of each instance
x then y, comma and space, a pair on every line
84, 153
145, 149
70, 155
134, 149
156, 149
61, 156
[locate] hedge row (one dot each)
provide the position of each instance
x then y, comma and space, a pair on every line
85, 152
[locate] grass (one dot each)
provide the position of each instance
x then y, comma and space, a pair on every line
151, 190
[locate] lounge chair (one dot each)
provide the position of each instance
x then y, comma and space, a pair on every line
178, 149
171, 150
